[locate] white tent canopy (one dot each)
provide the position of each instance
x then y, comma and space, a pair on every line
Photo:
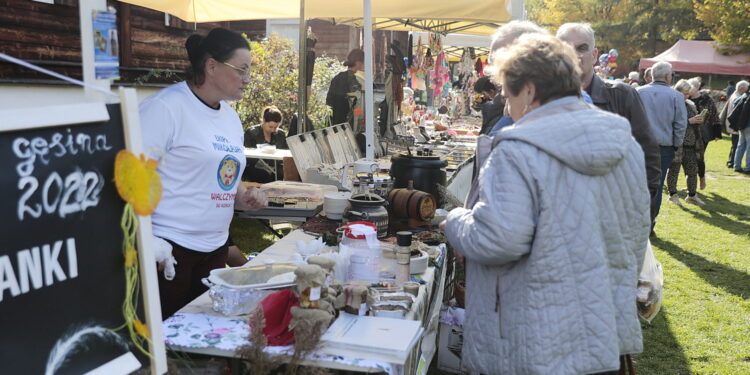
440, 14
478, 11
454, 44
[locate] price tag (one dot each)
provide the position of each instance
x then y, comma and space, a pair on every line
315, 293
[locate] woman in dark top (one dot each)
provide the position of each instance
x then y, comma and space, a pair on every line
343, 84
267, 132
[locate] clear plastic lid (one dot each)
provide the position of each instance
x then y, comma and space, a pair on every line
299, 190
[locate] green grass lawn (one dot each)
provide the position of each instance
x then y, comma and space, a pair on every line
704, 324
250, 235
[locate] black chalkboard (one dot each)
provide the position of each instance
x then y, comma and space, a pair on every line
61, 264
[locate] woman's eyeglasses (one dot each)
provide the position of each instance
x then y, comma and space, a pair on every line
243, 72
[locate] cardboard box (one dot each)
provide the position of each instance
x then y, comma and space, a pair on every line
450, 342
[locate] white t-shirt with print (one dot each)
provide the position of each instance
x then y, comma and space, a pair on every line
202, 159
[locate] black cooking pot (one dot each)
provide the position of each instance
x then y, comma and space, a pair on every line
368, 208
427, 172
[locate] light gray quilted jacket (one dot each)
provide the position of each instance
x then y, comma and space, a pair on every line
554, 241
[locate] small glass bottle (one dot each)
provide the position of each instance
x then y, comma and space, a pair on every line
403, 257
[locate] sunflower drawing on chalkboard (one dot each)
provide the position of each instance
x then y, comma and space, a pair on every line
137, 181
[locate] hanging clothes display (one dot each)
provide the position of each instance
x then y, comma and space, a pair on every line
479, 67
416, 70
440, 76
427, 65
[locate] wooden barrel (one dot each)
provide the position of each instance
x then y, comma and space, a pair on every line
410, 203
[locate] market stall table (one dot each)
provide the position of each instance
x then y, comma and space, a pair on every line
277, 154
197, 328
268, 154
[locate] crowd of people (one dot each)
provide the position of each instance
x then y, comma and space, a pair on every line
555, 228
556, 225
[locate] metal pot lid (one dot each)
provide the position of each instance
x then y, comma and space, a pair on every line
362, 199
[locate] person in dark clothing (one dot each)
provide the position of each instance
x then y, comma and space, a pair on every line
492, 108
616, 97
689, 153
266, 133
730, 88
342, 84
740, 89
710, 128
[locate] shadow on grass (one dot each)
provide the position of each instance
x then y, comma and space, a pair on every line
715, 211
662, 354
716, 274
718, 203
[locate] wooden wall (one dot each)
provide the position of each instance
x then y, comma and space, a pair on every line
334, 40
337, 40
151, 52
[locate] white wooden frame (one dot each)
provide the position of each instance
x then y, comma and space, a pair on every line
65, 115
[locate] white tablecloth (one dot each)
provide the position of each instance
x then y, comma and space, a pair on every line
197, 328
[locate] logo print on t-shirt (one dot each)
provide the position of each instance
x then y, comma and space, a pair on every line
227, 175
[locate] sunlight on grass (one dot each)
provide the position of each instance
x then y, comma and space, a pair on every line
704, 326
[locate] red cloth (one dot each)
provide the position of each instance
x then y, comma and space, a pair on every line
277, 312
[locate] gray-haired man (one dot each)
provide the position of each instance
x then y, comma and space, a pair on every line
667, 114
615, 97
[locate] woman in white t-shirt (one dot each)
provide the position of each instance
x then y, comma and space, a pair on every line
199, 140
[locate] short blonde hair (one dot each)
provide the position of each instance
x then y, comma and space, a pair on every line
582, 28
684, 86
508, 33
543, 60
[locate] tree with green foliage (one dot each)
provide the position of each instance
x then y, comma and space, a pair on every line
634, 27
728, 22
273, 81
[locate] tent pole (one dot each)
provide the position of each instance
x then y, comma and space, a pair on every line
369, 107
302, 92
709, 81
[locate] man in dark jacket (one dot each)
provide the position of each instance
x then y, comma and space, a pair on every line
492, 109
739, 120
342, 84
617, 98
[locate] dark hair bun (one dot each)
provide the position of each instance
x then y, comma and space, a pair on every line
219, 44
192, 45
272, 114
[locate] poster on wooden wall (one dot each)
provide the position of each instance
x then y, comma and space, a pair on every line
106, 45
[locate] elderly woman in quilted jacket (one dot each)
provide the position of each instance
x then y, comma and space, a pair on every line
556, 232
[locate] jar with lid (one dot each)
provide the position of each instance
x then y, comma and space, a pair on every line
403, 257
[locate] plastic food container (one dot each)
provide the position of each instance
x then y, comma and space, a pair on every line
291, 194
238, 290
419, 264
389, 309
267, 148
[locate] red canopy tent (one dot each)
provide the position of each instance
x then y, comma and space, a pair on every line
696, 56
